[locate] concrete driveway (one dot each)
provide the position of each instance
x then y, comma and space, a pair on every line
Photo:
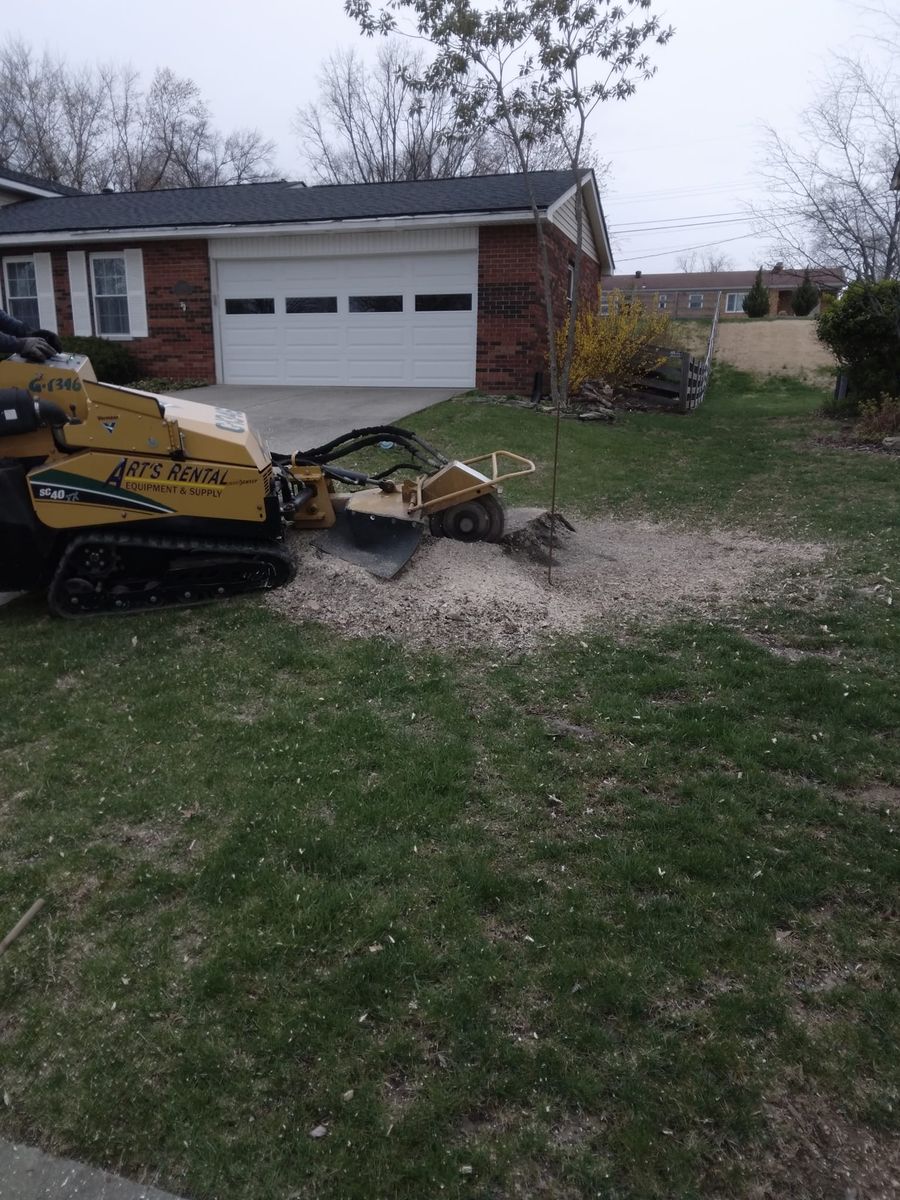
298, 418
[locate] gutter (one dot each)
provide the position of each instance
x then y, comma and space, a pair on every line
143, 234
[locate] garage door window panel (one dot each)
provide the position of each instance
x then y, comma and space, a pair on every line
252, 307
110, 280
376, 304
444, 302
303, 305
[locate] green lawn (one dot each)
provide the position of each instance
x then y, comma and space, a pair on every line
654, 956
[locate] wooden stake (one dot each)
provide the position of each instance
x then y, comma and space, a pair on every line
553, 494
21, 924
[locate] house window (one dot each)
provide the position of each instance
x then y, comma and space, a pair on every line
444, 302
376, 304
695, 300
21, 291
570, 283
604, 306
310, 304
253, 307
734, 302
110, 296
662, 302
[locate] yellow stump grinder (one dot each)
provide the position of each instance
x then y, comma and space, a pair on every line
117, 500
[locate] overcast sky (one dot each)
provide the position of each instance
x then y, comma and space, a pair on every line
685, 147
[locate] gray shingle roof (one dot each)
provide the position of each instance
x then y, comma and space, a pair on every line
47, 185
278, 203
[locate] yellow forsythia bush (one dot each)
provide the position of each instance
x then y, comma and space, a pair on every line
617, 349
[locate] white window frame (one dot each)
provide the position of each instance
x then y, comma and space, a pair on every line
102, 255
662, 302
738, 298
20, 258
45, 292
692, 296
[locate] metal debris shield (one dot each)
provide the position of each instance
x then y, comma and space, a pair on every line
382, 545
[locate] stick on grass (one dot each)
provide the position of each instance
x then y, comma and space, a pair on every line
20, 925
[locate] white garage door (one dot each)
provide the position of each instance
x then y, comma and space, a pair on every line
391, 320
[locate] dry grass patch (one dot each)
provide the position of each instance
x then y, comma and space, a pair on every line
776, 347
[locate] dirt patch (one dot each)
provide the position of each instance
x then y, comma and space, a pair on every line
792, 653
847, 439
880, 796
779, 347
819, 1153
608, 574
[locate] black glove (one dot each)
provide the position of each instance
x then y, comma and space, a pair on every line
49, 337
35, 349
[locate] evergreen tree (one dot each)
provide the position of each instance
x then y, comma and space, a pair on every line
805, 297
756, 302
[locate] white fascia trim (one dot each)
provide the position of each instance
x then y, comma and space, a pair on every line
8, 185
594, 210
292, 227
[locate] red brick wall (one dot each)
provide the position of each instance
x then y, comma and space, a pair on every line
180, 344
512, 320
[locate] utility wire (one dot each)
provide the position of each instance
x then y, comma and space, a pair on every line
668, 193
626, 233
684, 217
682, 249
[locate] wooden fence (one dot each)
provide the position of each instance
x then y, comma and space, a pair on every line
679, 384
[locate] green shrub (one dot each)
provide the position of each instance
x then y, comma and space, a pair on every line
113, 362
805, 297
756, 302
862, 330
879, 419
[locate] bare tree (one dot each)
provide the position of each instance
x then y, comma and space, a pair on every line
712, 261
830, 203
541, 152
96, 127
373, 125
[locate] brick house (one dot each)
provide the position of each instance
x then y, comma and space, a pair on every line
696, 293
430, 283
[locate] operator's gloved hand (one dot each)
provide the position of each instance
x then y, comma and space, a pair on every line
35, 349
49, 337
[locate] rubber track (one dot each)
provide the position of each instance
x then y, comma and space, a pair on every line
250, 552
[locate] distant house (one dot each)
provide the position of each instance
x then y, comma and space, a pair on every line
696, 293
14, 186
428, 283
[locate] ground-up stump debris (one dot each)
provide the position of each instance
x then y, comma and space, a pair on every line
606, 574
